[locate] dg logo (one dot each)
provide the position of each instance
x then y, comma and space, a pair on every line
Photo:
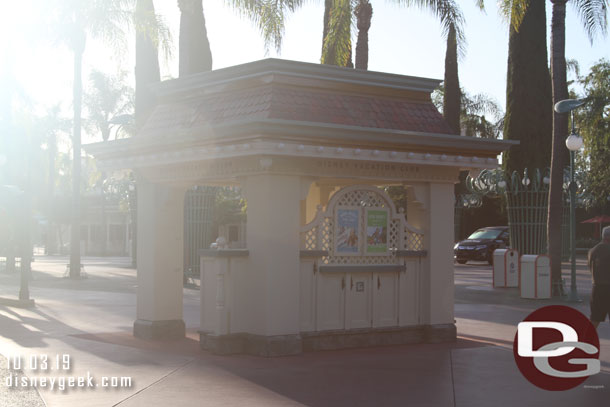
556, 348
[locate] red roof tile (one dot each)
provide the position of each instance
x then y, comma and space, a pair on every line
299, 104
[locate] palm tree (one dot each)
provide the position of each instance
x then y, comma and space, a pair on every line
194, 52
336, 39
451, 101
594, 17
108, 96
364, 14
452, 20
528, 88
151, 33
75, 20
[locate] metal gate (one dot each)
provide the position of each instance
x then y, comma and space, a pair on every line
198, 224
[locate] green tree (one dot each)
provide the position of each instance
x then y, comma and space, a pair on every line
480, 115
108, 96
593, 123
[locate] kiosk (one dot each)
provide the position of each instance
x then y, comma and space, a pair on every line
329, 262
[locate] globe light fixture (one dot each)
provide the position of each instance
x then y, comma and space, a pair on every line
574, 142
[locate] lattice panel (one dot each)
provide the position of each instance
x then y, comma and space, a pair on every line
413, 240
320, 236
326, 234
310, 239
362, 198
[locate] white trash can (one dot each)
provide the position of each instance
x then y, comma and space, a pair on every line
506, 268
535, 276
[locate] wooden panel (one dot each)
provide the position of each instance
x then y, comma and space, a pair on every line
358, 305
330, 302
385, 299
307, 296
408, 283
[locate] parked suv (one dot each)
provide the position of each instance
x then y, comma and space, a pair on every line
481, 244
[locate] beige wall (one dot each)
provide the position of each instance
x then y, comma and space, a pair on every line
273, 241
160, 252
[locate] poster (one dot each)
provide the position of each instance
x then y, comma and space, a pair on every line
347, 231
376, 231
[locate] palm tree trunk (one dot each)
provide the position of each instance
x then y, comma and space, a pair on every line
51, 243
194, 48
104, 247
560, 132
528, 93
328, 4
76, 164
364, 13
147, 64
452, 95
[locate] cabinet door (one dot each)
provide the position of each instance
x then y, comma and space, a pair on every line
330, 301
358, 301
307, 296
385, 299
408, 313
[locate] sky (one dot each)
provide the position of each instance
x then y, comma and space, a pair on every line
402, 41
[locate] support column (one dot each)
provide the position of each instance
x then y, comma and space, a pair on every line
430, 208
159, 251
273, 241
440, 253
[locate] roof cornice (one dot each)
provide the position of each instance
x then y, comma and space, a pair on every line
272, 70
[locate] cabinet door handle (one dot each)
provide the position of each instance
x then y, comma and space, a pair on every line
351, 287
343, 283
378, 283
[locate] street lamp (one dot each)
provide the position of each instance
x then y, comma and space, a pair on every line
573, 143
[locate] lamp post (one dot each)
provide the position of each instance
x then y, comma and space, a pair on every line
573, 143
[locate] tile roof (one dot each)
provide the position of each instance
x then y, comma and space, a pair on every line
298, 104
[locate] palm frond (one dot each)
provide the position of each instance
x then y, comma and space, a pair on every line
268, 16
594, 16
449, 14
338, 44
153, 26
513, 11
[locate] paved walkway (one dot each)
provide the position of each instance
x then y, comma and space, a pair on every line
91, 320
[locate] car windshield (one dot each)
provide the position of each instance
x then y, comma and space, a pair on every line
485, 234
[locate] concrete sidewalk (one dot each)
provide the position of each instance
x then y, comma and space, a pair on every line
91, 321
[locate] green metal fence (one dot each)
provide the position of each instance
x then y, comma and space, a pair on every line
198, 223
527, 205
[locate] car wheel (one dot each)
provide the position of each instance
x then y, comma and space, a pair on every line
490, 259
462, 261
